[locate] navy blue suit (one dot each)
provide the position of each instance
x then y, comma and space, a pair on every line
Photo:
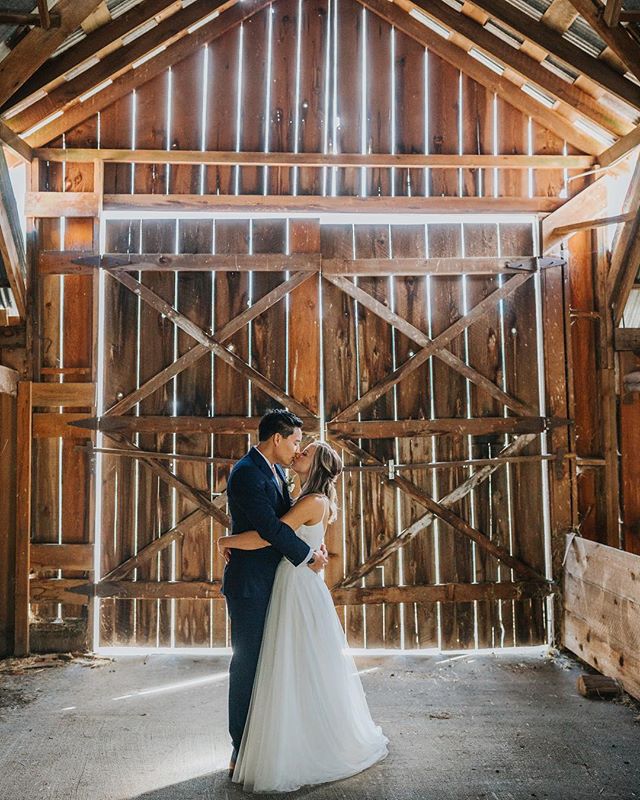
256, 503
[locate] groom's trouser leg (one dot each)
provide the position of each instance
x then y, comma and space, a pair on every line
247, 617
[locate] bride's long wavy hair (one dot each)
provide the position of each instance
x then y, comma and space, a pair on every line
325, 470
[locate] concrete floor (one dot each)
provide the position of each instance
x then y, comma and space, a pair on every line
502, 727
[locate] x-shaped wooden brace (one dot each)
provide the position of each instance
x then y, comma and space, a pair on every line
440, 509
430, 347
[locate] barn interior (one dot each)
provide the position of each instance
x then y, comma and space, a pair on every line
414, 223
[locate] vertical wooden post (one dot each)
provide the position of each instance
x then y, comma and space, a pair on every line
608, 408
23, 518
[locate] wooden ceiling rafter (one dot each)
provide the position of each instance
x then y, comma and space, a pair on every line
36, 47
171, 30
96, 44
502, 86
616, 37
552, 41
520, 67
235, 14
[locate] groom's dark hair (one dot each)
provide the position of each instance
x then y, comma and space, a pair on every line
278, 420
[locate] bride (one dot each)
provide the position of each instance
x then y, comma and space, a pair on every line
308, 721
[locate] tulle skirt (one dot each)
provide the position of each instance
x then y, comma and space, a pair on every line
308, 721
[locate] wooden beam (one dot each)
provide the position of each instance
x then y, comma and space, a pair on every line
424, 521
620, 148
117, 423
628, 272
431, 266
57, 590
61, 262
62, 556
627, 339
61, 204
444, 592
479, 426
35, 20
12, 248
95, 44
587, 204
611, 13
617, 38
69, 395
520, 67
602, 222
23, 519
282, 204
54, 425
441, 593
45, 17
15, 143
35, 48
65, 94
435, 347
555, 44
499, 84
178, 319
234, 14
276, 159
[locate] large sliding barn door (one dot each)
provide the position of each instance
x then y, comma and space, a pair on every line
415, 369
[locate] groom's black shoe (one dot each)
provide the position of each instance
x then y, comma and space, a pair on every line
232, 762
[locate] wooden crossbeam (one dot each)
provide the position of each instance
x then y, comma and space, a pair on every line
36, 47
62, 556
554, 43
276, 159
587, 224
15, 143
616, 37
611, 14
620, 148
165, 424
435, 347
122, 84
441, 510
165, 262
522, 68
587, 204
221, 335
447, 502
431, 266
478, 426
442, 592
499, 84
234, 361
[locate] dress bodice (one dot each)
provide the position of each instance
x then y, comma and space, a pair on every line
312, 534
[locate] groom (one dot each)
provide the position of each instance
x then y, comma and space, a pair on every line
258, 496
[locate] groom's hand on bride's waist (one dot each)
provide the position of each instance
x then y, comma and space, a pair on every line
319, 559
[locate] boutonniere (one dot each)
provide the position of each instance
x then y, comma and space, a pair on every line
290, 483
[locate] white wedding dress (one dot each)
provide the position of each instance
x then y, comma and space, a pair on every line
308, 721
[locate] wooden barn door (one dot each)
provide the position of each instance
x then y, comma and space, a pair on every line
422, 374
425, 376
192, 359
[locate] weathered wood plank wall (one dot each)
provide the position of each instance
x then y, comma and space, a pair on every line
292, 79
